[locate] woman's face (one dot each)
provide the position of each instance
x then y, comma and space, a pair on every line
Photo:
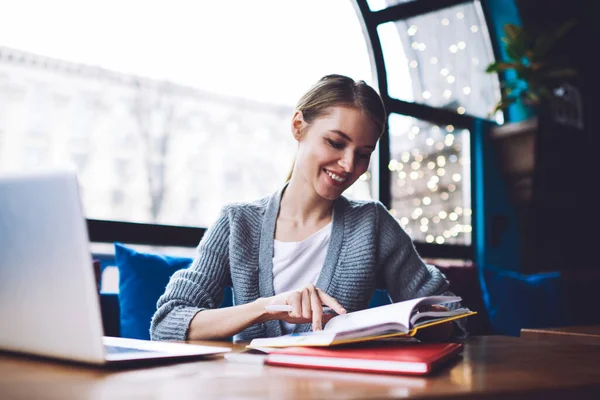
334, 150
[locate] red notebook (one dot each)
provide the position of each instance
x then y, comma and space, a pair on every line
408, 358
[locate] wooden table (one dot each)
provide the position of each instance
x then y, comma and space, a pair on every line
491, 367
589, 334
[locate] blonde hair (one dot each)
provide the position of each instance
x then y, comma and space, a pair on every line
339, 90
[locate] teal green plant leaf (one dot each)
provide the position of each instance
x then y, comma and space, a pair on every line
529, 55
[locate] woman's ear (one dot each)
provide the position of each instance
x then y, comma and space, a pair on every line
297, 124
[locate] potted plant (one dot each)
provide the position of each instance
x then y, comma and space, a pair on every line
535, 75
536, 68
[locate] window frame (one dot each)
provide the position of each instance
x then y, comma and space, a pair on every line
371, 20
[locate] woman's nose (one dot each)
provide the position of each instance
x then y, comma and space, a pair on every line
347, 163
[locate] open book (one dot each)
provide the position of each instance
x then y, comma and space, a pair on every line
392, 320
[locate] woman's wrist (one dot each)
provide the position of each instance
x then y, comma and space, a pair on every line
262, 315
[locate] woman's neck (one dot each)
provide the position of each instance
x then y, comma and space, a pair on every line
304, 206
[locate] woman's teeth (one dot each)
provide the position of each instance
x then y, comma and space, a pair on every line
336, 177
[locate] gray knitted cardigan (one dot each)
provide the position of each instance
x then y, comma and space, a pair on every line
368, 249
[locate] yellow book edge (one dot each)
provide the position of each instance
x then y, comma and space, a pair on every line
410, 333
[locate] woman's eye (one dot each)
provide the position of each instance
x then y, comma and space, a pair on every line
364, 156
335, 145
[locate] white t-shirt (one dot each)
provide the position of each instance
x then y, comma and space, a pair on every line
296, 264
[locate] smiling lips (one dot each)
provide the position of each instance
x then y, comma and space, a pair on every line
335, 177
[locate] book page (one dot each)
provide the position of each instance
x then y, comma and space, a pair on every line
319, 338
420, 318
373, 323
396, 314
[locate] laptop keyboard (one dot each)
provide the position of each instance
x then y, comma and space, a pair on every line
121, 350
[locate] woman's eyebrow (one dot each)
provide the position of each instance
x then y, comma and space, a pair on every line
345, 136
342, 134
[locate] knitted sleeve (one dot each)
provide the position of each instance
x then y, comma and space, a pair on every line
199, 287
404, 272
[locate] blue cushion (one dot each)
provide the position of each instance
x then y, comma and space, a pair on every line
515, 301
142, 280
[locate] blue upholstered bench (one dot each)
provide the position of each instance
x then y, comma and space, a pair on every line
506, 301
143, 278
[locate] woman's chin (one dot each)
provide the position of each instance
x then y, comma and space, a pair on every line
330, 192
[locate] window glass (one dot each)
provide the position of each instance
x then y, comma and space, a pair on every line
377, 5
439, 59
169, 109
430, 180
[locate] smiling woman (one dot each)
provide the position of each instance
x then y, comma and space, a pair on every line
283, 249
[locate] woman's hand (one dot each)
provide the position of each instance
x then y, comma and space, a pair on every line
307, 306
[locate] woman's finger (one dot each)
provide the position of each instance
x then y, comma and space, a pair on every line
317, 311
306, 307
295, 300
331, 302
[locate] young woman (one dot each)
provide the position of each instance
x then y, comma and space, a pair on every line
305, 246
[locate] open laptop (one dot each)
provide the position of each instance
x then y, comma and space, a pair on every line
49, 304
